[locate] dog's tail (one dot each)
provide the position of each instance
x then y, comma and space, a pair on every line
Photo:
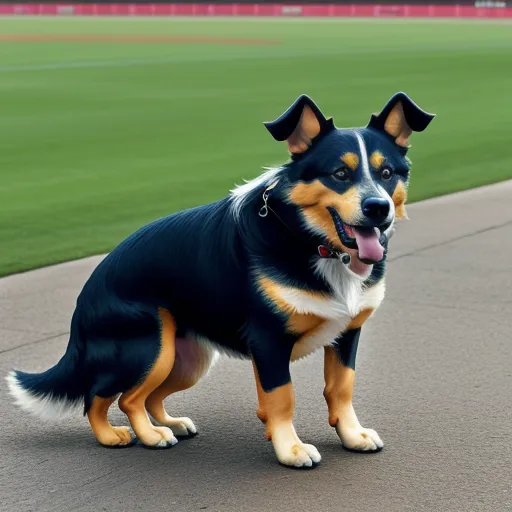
56, 393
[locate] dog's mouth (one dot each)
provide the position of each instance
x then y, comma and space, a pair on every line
366, 240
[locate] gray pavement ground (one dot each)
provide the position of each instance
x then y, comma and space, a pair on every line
434, 379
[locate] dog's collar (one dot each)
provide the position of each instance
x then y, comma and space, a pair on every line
323, 250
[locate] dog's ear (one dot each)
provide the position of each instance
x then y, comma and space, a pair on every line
400, 117
299, 125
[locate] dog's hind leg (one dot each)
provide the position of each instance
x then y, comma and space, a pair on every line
132, 402
193, 360
181, 427
339, 372
106, 434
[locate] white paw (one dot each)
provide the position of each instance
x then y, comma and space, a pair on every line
360, 439
184, 427
300, 456
168, 437
165, 444
313, 453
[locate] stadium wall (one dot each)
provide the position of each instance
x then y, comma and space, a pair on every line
284, 10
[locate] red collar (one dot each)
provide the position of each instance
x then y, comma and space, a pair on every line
327, 252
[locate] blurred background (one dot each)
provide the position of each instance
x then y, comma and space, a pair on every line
115, 114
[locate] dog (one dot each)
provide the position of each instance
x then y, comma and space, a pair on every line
287, 264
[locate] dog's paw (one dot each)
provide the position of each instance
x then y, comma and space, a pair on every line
167, 439
124, 435
184, 427
181, 427
313, 453
360, 439
299, 456
118, 437
167, 435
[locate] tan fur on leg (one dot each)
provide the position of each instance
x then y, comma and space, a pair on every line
105, 433
339, 386
155, 405
132, 403
192, 361
278, 406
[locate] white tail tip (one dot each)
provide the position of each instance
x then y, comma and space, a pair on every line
46, 407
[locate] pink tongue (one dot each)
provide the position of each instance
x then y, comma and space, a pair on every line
369, 245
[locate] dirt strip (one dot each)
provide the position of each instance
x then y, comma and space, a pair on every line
100, 38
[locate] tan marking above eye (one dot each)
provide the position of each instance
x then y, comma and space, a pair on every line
351, 160
377, 159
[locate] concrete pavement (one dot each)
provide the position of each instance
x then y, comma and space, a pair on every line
433, 378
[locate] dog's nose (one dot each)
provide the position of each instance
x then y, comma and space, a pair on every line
375, 208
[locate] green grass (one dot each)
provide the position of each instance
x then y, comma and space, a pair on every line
96, 139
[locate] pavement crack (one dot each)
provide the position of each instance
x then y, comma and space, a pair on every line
456, 239
26, 331
47, 338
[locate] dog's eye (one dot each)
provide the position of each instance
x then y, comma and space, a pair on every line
342, 174
386, 173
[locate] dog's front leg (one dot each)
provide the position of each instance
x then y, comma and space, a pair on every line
339, 372
276, 405
260, 411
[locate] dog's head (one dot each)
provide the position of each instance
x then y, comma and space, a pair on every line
349, 185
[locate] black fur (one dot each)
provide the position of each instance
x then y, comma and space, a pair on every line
346, 347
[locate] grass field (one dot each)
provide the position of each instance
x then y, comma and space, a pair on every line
98, 137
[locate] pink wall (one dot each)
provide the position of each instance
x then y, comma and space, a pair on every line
444, 11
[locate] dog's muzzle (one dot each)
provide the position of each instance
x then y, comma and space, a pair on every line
369, 241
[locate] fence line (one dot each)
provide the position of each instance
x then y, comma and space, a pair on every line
325, 10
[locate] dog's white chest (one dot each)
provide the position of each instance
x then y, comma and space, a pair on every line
334, 313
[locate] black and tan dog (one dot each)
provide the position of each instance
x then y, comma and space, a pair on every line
289, 263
